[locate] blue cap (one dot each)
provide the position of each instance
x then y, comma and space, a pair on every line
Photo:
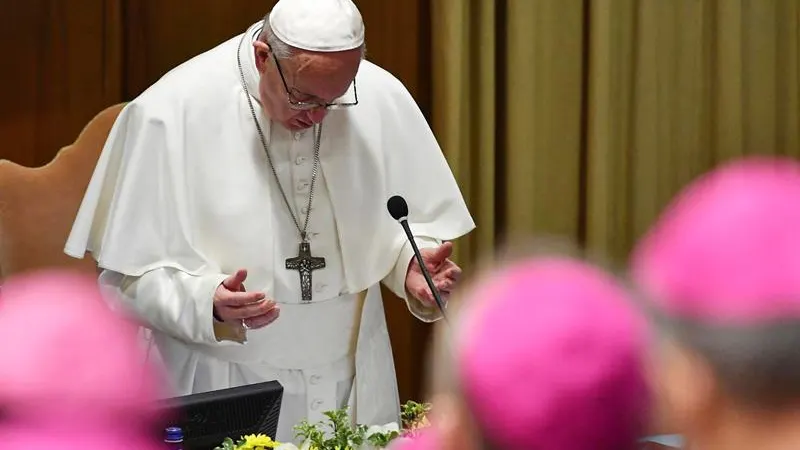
173, 434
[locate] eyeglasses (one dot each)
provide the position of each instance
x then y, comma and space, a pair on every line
306, 105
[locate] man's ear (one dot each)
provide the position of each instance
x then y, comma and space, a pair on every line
262, 54
688, 393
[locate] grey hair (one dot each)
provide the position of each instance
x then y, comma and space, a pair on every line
758, 366
281, 49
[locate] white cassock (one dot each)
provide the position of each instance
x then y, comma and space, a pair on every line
183, 196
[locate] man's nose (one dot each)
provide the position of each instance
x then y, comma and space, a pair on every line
316, 115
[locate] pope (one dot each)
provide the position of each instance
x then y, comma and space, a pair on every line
241, 199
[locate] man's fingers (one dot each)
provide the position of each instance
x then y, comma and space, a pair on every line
232, 299
264, 319
442, 285
445, 285
234, 282
424, 295
249, 311
441, 253
447, 278
439, 267
451, 273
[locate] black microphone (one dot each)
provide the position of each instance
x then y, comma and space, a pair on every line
398, 209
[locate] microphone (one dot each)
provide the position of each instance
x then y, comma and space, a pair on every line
398, 209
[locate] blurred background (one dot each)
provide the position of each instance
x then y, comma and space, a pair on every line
579, 118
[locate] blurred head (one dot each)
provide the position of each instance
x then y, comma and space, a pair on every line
73, 374
721, 269
541, 352
307, 55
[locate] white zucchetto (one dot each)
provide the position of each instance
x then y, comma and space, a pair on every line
318, 25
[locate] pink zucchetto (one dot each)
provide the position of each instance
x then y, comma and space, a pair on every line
550, 357
727, 250
73, 375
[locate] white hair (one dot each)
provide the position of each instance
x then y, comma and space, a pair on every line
281, 49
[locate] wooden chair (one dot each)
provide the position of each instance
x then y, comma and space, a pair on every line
38, 205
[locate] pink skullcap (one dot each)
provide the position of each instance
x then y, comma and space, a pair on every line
728, 248
551, 358
74, 369
95, 438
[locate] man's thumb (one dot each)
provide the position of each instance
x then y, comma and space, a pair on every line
234, 282
443, 252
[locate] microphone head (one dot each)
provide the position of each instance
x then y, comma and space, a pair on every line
398, 208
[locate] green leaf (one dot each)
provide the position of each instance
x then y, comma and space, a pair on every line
412, 412
227, 444
337, 431
382, 440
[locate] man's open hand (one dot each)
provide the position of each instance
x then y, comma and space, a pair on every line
233, 304
445, 273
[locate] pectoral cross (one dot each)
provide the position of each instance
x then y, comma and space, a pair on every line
304, 264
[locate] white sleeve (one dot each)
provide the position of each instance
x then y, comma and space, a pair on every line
170, 301
396, 280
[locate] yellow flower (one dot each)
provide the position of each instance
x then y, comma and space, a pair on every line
257, 442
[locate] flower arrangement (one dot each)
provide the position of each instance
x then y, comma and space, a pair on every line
338, 433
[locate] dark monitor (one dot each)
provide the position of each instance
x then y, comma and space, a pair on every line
208, 418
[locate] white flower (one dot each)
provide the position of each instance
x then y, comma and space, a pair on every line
383, 429
287, 446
